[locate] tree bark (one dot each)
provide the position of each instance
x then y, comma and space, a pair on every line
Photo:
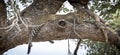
3, 23
56, 27
13, 38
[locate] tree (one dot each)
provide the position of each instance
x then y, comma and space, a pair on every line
56, 27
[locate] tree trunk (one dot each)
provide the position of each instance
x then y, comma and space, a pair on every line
56, 27
3, 23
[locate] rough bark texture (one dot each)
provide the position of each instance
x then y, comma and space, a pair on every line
3, 23
13, 37
56, 27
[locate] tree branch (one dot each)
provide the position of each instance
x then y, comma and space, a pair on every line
56, 27
9, 39
54, 30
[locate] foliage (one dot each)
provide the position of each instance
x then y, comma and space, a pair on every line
18, 4
99, 48
108, 10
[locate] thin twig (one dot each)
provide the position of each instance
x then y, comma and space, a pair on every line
77, 47
29, 45
69, 52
